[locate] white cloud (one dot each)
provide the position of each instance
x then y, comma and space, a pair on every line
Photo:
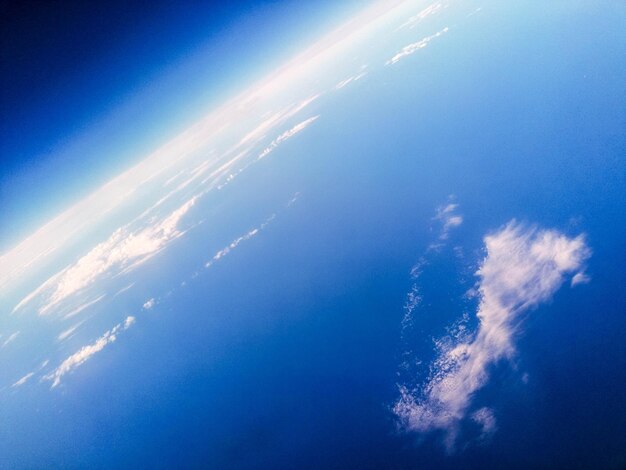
69, 332
149, 304
124, 289
10, 339
426, 12
23, 380
580, 278
83, 307
485, 418
450, 219
523, 267
122, 251
347, 81
227, 249
286, 135
79, 358
416, 46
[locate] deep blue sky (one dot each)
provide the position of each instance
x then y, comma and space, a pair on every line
87, 88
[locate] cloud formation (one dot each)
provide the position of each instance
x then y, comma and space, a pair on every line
286, 135
523, 268
354, 78
426, 12
122, 251
79, 358
10, 339
450, 218
416, 46
227, 249
23, 380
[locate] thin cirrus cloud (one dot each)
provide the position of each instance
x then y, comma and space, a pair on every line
422, 15
450, 218
23, 380
523, 267
286, 135
86, 352
416, 46
235, 243
354, 78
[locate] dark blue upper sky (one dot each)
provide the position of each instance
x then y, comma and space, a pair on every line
87, 88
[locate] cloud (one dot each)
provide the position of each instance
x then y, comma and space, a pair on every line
286, 135
426, 12
351, 79
450, 219
485, 418
149, 304
69, 332
10, 339
23, 380
83, 307
55, 239
523, 268
416, 46
122, 251
79, 358
227, 249
580, 278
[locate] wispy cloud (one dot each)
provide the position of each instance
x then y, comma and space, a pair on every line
10, 339
422, 15
416, 46
148, 304
286, 135
523, 267
235, 243
121, 252
450, 219
69, 332
79, 358
351, 79
75, 311
486, 419
580, 278
23, 380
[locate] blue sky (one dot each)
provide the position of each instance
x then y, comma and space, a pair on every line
401, 250
89, 89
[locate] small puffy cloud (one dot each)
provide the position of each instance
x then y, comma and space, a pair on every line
81, 356
523, 268
485, 418
148, 304
414, 47
580, 278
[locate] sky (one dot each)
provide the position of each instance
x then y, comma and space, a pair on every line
429, 255
87, 89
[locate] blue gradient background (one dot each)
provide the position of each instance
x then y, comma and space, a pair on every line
285, 357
